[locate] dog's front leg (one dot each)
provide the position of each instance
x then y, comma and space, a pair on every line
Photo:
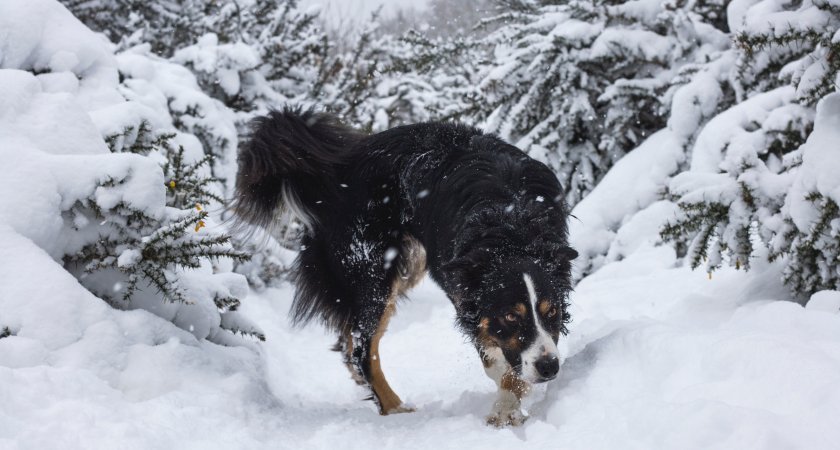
507, 409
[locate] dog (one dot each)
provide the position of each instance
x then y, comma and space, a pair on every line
487, 222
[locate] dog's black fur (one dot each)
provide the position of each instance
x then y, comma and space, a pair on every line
483, 211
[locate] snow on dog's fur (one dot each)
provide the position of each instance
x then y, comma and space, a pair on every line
486, 221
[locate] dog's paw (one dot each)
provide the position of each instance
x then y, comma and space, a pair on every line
510, 416
399, 409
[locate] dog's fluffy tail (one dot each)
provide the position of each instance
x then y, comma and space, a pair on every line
288, 163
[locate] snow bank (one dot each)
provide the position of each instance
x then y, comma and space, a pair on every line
828, 301
77, 373
633, 184
637, 184
694, 363
54, 161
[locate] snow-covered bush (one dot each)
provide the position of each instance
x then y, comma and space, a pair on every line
225, 70
811, 236
290, 43
351, 77
739, 190
161, 85
250, 54
276, 56
238, 59
739, 176
101, 169
151, 250
433, 78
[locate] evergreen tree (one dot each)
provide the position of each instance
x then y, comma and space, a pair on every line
387, 80
348, 85
810, 234
291, 45
444, 72
577, 84
739, 189
789, 43
274, 57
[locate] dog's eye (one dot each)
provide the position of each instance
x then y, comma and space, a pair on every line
551, 312
511, 317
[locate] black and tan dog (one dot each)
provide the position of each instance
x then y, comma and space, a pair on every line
485, 220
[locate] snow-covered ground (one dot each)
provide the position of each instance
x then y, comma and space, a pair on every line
662, 357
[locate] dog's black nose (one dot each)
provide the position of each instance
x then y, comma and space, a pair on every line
547, 367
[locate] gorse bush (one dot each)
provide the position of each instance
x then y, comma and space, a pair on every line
167, 253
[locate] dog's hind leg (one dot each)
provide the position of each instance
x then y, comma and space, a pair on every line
360, 348
377, 306
366, 355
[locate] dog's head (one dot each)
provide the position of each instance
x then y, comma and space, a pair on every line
518, 309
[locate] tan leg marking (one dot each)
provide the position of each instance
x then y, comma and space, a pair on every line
389, 401
410, 271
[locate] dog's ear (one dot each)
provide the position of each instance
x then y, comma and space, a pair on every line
551, 249
567, 253
463, 274
457, 276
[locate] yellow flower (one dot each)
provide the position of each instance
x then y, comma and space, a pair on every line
199, 225
198, 206
172, 184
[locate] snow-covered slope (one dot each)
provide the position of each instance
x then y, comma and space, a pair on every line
662, 358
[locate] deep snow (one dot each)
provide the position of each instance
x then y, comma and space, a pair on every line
662, 357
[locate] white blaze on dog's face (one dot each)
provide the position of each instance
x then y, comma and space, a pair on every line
542, 358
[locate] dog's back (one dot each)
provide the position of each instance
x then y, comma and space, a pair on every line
311, 164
